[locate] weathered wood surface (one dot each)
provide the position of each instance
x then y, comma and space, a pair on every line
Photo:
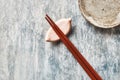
24, 55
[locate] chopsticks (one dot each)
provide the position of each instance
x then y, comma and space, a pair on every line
78, 56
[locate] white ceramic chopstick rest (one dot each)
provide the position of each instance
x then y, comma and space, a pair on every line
64, 25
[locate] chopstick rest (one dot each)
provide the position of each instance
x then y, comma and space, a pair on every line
64, 25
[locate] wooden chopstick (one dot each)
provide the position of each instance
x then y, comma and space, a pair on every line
82, 61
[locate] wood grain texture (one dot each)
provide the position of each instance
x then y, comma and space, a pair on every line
24, 54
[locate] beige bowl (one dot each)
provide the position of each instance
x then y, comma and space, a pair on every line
101, 13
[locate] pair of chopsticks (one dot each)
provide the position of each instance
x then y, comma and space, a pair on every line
82, 61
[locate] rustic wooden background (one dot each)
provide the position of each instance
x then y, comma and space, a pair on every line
24, 54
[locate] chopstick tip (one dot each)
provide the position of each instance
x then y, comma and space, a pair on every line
46, 15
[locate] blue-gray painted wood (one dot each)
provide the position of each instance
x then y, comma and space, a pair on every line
24, 54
